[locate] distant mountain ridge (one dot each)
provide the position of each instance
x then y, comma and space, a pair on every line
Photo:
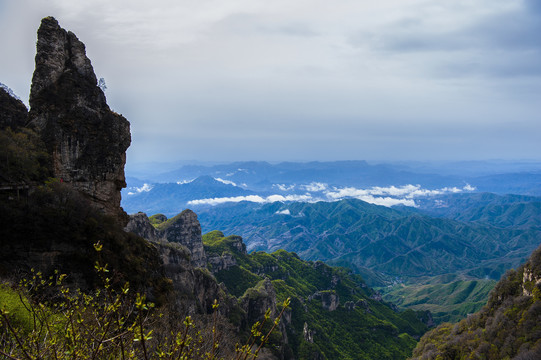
172, 198
517, 211
383, 184
396, 242
517, 178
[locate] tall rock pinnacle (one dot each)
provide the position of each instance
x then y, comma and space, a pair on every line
87, 140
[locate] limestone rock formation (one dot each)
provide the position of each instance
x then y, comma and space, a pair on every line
257, 300
349, 305
140, 224
329, 299
13, 113
308, 334
196, 288
186, 230
222, 262
87, 140
183, 229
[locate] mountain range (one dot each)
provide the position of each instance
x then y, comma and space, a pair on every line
450, 231
436, 244
398, 243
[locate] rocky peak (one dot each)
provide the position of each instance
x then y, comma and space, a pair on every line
140, 224
237, 243
186, 230
87, 140
183, 229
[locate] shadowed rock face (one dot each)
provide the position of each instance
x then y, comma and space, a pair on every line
183, 229
13, 113
87, 140
186, 230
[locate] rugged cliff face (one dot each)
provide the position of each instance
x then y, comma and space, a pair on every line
183, 229
140, 224
180, 245
86, 139
55, 225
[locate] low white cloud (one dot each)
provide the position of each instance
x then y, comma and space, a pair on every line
283, 212
384, 196
181, 182
284, 187
468, 187
387, 201
405, 191
251, 198
440, 204
227, 182
315, 187
145, 188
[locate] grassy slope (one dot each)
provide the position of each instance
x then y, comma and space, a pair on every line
447, 300
508, 327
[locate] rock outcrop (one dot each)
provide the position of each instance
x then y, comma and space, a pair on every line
140, 224
227, 259
308, 334
530, 281
186, 230
87, 140
196, 288
329, 299
257, 300
223, 262
183, 229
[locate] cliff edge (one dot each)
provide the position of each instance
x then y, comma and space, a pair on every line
86, 140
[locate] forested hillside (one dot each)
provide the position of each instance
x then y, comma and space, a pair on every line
508, 327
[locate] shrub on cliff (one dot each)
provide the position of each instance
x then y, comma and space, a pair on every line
23, 157
46, 319
508, 327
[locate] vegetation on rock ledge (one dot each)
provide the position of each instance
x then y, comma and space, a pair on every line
334, 315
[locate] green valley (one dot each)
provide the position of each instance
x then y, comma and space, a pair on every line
334, 315
449, 298
397, 243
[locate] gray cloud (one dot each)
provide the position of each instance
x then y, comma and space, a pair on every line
303, 80
503, 42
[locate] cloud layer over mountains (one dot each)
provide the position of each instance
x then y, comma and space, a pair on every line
386, 196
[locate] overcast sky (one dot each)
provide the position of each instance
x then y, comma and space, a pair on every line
225, 80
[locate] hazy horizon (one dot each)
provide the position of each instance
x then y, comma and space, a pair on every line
295, 80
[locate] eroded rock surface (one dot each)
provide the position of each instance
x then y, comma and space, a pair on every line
140, 224
183, 229
87, 140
